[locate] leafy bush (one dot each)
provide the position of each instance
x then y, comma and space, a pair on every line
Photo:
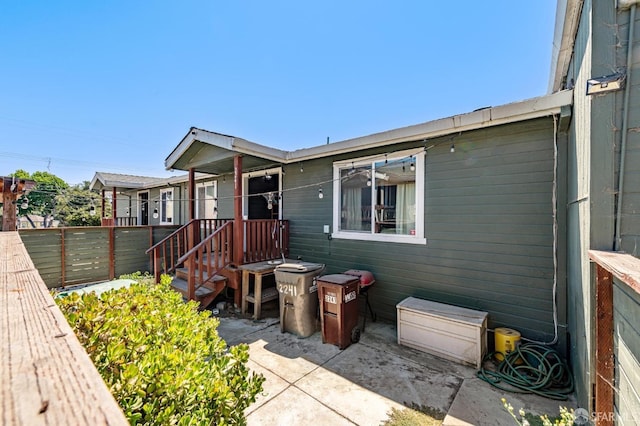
162, 359
566, 417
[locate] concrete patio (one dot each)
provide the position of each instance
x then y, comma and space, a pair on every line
308, 382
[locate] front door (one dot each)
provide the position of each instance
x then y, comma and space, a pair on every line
143, 202
262, 195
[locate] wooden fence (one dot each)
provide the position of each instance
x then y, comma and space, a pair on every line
78, 255
46, 377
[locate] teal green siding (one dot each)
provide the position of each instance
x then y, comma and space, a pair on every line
626, 304
488, 223
593, 169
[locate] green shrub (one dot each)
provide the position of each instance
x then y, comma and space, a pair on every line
566, 417
162, 359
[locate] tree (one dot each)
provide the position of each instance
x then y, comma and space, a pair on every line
77, 206
41, 198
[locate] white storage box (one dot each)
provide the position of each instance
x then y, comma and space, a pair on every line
448, 331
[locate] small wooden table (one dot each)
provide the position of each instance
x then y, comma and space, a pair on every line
258, 270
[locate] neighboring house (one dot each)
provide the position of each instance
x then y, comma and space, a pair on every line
143, 200
36, 221
595, 39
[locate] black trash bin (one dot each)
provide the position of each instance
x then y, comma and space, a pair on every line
296, 283
338, 297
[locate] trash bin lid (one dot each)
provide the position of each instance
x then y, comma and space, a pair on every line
366, 277
299, 267
341, 279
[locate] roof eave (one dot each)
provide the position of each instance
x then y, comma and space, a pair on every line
566, 26
504, 114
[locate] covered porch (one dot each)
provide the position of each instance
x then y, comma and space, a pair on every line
206, 255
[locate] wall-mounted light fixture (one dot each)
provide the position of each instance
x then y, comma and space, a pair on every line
607, 83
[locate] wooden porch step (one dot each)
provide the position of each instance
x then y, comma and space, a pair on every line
206, 293
180, 285
183, 274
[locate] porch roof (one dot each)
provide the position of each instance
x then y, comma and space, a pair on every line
109, 181
211, 152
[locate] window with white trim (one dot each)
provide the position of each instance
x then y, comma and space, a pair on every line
166, 206
380, 198
206, 200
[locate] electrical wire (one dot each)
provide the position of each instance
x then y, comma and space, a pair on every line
529, 369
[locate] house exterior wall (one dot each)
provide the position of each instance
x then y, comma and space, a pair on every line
593, 169
580, 290
630, 223
488, 224
626, 304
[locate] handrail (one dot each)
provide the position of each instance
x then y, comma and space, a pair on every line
175, 245
168, 237
210, 256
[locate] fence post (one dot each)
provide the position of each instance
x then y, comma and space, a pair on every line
604, 393
112, 252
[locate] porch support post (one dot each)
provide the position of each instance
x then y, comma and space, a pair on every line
238, 226
114, 207
103, 214
192, 194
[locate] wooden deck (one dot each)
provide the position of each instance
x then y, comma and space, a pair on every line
46, 377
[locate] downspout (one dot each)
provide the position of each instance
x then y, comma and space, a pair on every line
625, 123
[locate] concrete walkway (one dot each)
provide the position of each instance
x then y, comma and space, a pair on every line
308, 382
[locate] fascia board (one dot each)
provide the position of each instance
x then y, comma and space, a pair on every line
566, 26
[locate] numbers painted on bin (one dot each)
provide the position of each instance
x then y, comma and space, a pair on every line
288, 289
331, 298
349, 297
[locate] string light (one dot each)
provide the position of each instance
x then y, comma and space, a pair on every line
301, 168
320, 193
412, 167
92, 210
25, 203
155, 210
453, 147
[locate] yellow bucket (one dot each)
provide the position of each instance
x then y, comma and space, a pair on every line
506, 341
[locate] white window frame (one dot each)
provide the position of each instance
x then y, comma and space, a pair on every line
213, 203
163, 206
245, 189
419, 237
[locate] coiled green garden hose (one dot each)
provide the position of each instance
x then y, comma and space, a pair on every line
531, 368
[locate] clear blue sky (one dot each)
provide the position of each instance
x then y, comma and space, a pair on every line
113, 86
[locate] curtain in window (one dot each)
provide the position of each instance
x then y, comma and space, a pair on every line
352, 208
406, 207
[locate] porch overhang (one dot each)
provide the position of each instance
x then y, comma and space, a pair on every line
110, 181
213, 153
